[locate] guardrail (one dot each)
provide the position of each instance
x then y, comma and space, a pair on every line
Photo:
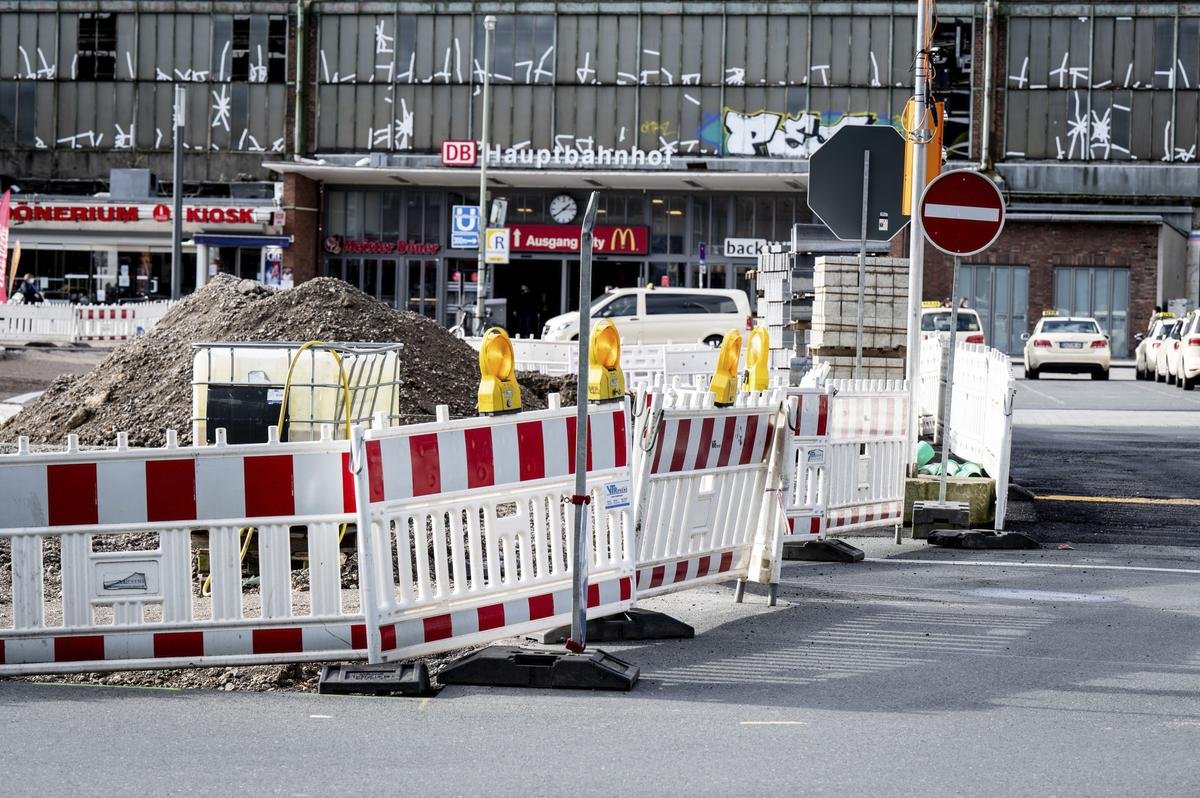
60, 323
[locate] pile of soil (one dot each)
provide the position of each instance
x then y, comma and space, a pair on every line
145, 386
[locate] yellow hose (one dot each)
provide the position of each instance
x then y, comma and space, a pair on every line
206, 588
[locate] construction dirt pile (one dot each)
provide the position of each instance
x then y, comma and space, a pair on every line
145, 386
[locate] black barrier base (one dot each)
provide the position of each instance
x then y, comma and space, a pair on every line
832, 550
635, 624
390, 679
509, 666
981, 539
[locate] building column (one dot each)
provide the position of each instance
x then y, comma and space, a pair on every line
301, 204
201, 265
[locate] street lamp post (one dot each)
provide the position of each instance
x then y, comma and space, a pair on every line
481, 288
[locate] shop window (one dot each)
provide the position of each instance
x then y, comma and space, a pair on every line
97, 47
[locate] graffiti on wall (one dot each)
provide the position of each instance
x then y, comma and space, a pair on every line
775, 134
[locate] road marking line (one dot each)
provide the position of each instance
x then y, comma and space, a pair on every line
772, 723
1054, 497
1166, 390
322, 717
1017, 564
1029, 387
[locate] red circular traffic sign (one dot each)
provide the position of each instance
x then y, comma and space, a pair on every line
962, 212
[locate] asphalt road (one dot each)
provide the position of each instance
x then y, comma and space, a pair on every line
1123, 451
923, 675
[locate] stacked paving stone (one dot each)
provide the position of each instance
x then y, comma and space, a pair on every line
835, 312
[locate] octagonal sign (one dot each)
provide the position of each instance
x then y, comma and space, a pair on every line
835, 182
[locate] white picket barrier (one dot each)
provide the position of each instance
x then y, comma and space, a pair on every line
806, 453
642, 364
55, 323
866, 454
705, 477
41, 324
124, 608
467, 528
929, 386
981, 415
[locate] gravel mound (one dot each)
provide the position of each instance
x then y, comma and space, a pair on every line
144, 387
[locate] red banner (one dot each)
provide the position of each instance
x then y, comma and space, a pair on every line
606, 239
4, 246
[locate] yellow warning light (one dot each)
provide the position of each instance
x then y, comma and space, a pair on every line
756, 377
498, 389
606, 381
724, 381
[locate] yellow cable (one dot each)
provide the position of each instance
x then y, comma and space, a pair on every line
206, 588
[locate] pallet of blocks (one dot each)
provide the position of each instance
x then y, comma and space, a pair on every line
835, 313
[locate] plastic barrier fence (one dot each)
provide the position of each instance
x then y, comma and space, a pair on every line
67, 517
866, 455
929, 385
981, 415
702, 475
643, 364
805, 456
66, 324
467, 528
47, 324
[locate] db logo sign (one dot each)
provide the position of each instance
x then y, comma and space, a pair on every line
458, 153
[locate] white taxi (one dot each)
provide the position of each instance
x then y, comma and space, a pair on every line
1187, 370
1150, 342
1164, 363
1066, 344
935, 319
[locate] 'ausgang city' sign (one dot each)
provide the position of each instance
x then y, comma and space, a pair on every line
617, 239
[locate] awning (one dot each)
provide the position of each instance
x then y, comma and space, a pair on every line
775, 179
212, 240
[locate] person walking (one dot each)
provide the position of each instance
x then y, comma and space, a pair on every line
29, 290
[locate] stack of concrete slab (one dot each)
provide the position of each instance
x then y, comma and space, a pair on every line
835, 314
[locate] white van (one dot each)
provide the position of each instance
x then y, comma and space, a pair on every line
663, 315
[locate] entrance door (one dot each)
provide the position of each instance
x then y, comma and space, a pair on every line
422, 286
1001, 296
1101, 292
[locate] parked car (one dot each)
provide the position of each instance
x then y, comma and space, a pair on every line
1150, 342
1163, 371
1073, 344
1187, 370
662, 315
936, 319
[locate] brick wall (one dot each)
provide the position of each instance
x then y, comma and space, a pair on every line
301, 202
1043, 245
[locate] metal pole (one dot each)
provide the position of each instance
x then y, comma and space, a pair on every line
481, 286
948, 388
916, 237
177, 195
862, 267
579, 572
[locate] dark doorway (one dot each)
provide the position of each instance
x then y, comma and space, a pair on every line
532, 288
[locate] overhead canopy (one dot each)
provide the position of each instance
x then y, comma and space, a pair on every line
501, 177
213, 240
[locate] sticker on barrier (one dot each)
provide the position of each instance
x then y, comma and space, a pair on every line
468, 529
121, 529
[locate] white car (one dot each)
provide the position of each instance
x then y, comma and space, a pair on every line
1067, 344
1164, 362
935, 319
1150, 342
1188, 371
663, 315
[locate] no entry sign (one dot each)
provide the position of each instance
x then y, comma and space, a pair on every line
962, 212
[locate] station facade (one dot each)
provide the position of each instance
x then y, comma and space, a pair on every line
695, 121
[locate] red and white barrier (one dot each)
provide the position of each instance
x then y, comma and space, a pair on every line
126, 608
806, 455
61, 323
467, 532
866, 454
702, 474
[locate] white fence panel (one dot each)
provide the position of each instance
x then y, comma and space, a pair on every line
62, 323
806, 455
981, 415
703, 476
467, 528
867, 455
66, 517
929, 386
43, 324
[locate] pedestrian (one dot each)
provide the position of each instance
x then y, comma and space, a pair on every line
962, 303
29, 290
